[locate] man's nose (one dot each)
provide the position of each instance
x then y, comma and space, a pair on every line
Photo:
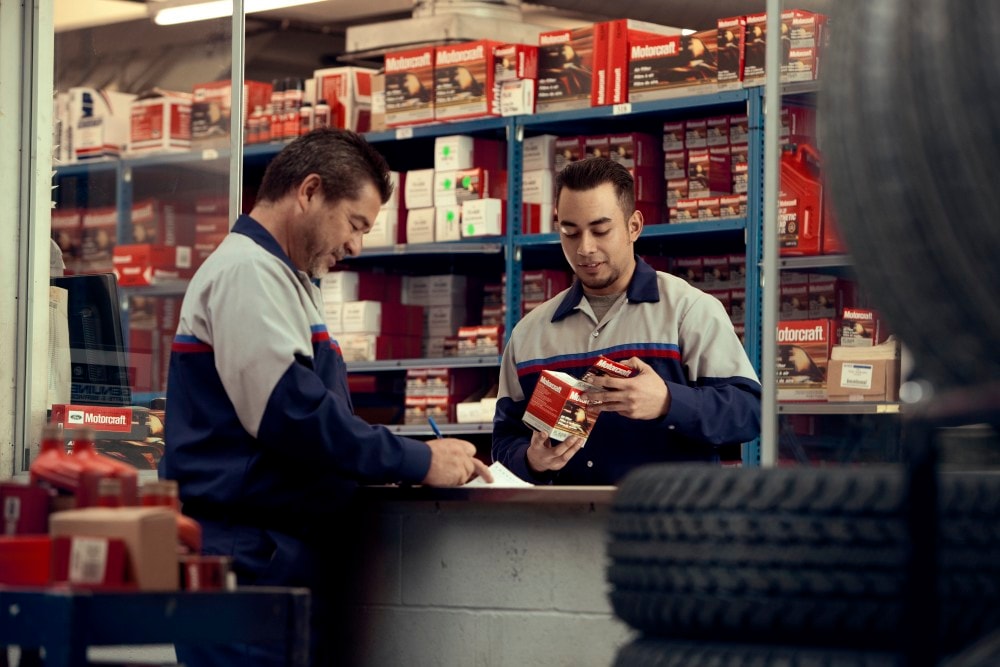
587, 245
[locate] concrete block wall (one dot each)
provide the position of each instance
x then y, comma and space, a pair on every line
485, 584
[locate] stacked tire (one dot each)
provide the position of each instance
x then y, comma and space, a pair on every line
778, 563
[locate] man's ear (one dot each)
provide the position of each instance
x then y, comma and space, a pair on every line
310, 186
635, 223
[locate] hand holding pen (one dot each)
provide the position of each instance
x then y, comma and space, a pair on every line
453, 461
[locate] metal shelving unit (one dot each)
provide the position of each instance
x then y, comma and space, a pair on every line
814, 262
404, 364
839, 408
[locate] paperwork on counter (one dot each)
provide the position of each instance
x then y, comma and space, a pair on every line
502, 479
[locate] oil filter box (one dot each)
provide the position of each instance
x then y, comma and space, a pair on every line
556, 407
803, 356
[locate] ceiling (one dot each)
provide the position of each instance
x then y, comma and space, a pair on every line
76, 14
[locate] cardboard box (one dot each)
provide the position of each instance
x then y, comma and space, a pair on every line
98, 123
348, 91
149, 534
605, 367
556, 409
623, 35
859, 327
516, 98
464, 78
90, 562
673, 136
633, 149
378, 102
515, 74
115, 423
157, 221
567, 150
864, 374
754, 50
99, 237
161, 124
565, 69
409, 87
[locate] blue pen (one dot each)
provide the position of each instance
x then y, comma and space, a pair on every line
434, 427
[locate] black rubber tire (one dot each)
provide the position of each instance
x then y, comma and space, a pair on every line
648, 652
907, 125
816, 555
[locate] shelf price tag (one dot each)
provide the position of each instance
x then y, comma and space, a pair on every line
621, 109
210, 154
404, 133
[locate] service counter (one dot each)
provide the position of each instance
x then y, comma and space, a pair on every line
483, 576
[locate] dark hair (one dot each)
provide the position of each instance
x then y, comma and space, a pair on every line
343, 160
593, 172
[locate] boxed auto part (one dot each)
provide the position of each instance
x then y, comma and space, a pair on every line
565, 69
464, 79
167, 222
730, 45
859, 327
108, 422
460, 151
348, 91
420, 223
98, 239
409, 87
567, 150
803, 357
556, 408
211, 109
869, 374
97, 123
144, 264
623, 36
149, 534
160, 123
448, 223
418, 188
515, 68
634, 149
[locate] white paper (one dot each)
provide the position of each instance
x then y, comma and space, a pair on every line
502, 479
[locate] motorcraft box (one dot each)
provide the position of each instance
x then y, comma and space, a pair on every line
464, 81
556, 407
348, 91
605, 367
803, 358
161, 124
108, 422
565, 69
624, 34
145, 264
409, 87
211, 109
730, 40
859, 327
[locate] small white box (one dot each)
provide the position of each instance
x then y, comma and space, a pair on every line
482, 217
418, 188
446, 289
517, 98
416, 290
333, 315
453, 152
441, 321
358, 347
538, 187
470, 412
362, 317
339, 286
447, 223
445, 188
420, 224
396, 199
98, 122
384, 230
539, 152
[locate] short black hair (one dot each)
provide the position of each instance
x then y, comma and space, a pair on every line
343, 160
593, 172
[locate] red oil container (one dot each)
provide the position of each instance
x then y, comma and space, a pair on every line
800, 211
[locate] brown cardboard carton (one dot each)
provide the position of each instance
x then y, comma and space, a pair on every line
868, 374
149, 533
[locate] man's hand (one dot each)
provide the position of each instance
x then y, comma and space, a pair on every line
642, 396
542, 456
454, 462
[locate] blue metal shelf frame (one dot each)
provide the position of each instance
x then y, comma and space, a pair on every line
755, 246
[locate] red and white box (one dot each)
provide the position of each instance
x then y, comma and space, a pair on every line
161, 124
794, 301
348, 91
648, 184
859, 327
737, 304
652, 72
99, 237
708, 208
708, 173
732, 206
691, 269
739, 128
730, 53
716, 268
596, 145
464, 81
515, 74
803, 357
565, 69
685, 211
717, 131
677, 189
599, 93
803, 64
158, 221
115, 423
557, 409
754, 49
696, 133
605, 367
634, 149
211, 109
409, 87
673, 136
143, 264
567, 151
625, 33
675, 164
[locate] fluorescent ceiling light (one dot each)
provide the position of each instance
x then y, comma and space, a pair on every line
219, 8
